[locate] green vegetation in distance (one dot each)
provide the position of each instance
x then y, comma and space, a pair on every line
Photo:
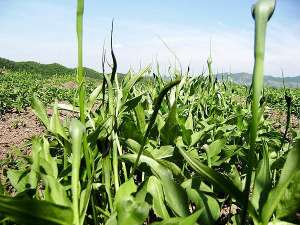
18, 88
163, 152
44, 69
57, 69
269, 81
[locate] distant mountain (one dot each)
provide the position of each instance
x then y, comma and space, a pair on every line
246, 78
55, 68
45, 69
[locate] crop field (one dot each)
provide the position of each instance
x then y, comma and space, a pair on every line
145, 149
18, 88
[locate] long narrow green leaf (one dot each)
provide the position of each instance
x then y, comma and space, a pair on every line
55, 124
130, 210
39, 109
34, 212
291, 165
93, 98
211, 175
106, 165
126, 89
262, 183
289, 204
154, 187
210, 206
153, 118
55, 192
174, 194
214, 177
189, 220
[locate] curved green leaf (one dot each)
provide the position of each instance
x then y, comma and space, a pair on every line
39, 110
174, 194
34, 212
154, 187
189, 220
290, 167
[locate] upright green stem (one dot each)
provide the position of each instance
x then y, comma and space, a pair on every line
209, 62
210, 73
80, 74
106, 164
115, 161
121, 153
261, 12
76, 132
80, 80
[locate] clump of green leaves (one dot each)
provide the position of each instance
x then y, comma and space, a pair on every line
159, 152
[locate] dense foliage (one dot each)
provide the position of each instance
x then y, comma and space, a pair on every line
276, 98
180, 152
200, 128
17, 90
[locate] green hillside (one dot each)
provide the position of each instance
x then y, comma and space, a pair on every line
55, 68
44, 69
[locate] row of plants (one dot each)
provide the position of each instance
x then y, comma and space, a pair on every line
276, 99
18, 88
165, 152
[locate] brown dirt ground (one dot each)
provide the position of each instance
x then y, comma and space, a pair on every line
70, 85
17, 128
278, 118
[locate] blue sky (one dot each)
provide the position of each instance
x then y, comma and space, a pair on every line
44, 31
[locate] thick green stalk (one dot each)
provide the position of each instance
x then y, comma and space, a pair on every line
76, 132
103, 72
261, 12
81, 82
106, 165
80, 74
115, 162
210, 73
121, 153
75, 147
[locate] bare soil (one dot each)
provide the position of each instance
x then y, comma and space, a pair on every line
16, 128
278, 118
70, 85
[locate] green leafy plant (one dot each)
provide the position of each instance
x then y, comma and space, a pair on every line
183, 151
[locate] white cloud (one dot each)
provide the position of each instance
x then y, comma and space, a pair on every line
138, 43
231, 48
